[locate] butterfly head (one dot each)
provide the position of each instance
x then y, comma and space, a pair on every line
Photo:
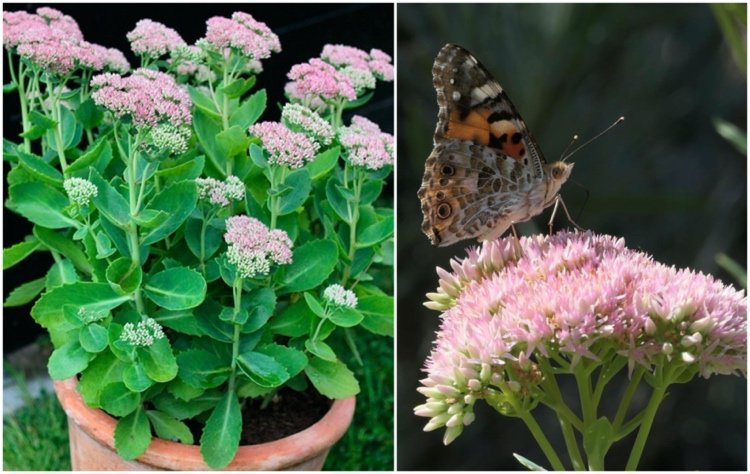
557, 173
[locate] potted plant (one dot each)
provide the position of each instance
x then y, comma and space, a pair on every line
208, 266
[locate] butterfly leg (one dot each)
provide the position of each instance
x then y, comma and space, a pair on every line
515, 242
559, 201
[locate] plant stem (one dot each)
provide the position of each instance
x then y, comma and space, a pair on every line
583, 380
237, 297
135, 246
276, 181
541, 439
19, 81
622, 409
353, 210
648, 419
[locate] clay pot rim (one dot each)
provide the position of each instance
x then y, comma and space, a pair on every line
272, 455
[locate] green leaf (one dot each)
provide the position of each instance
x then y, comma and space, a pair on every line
181, 409
135, 378
96, 297
312, 263
181, 321
221, 434
88, 114
169, 428
109, 202
39, 169
58, 242
732, 133
212, 239
18, 252
210, 325
40, 204
320, 349
104, 246
71, 131
189, 167
370, 192
206, 128
67, 361
202, 369
346, 317
24, 293
337, 200
294, 320
203, 102
294, 361
232, 141
530, 465
178, 201
259, 304
250, 110
176, 288
61, 273
314, 305
323, 163
97, 155
116, 399
158, 361
258, 156
299, 184
123, 277
238, 87
332, 379
10, 87
598, 438
132, 435
262, 369
104, 369
359, 101
93, 338
40, 124
182, 390
378, 314
375, 233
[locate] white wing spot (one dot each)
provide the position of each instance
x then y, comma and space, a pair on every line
477, 95
456, 95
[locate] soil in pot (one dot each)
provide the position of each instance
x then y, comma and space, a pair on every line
289, 412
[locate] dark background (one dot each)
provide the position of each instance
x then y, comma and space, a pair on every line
664, 180
303, 29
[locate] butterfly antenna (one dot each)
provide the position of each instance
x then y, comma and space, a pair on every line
575, 138
617, 122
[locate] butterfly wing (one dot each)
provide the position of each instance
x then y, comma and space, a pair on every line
482, 140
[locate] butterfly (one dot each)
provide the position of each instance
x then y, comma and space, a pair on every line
486, 171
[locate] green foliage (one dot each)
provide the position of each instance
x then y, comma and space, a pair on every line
142, 303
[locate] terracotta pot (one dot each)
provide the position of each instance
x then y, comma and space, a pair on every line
92, 442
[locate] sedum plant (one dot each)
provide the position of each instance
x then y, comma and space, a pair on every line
201, 258
520, 316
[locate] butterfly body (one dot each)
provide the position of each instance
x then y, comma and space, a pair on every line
485, 171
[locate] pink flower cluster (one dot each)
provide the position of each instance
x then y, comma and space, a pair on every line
53, 42
365, 145
576, 295
285, 147
221, 192
301, 119
148, 96
377, 62
317, 79
244, 33
253, 247
153, 39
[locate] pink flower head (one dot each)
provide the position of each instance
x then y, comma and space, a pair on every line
97, 58
365, 145
243, 33
301, 119
382, 70
148, 96
510, 303
220, 192
284, 146
17, 24
153, 39
253, 247
51, 45
342, 55
65, 23
318, 79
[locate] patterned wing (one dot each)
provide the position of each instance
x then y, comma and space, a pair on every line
485, 161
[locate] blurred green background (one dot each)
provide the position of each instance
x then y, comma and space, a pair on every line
665, 180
